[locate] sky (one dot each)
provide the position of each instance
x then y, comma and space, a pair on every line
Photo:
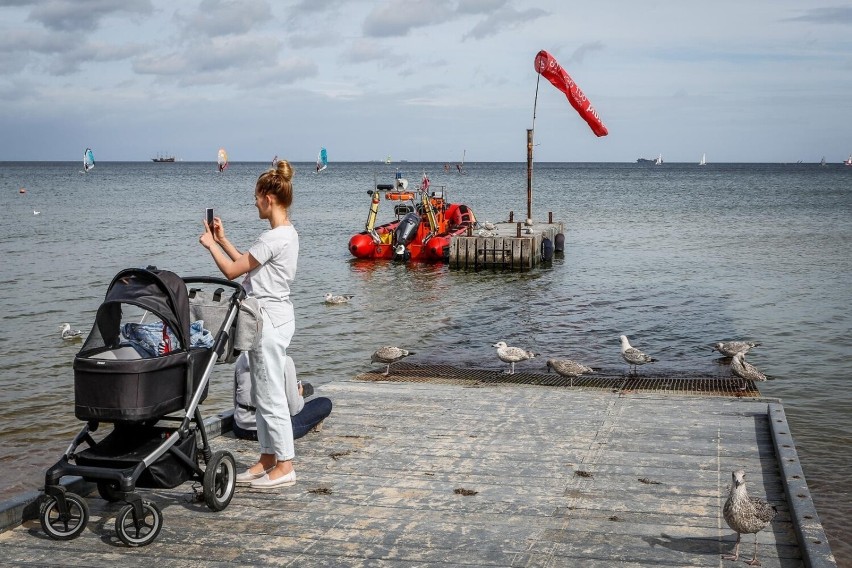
424, 80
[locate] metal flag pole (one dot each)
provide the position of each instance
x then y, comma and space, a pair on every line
530, 150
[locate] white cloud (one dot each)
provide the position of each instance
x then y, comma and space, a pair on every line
398, 17
225, 17
82, 15
506, 18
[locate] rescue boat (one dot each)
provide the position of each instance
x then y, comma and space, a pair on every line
423, 226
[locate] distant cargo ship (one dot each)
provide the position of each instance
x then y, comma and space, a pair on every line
163, 159
657, 161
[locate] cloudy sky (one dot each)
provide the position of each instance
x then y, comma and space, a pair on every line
424, 80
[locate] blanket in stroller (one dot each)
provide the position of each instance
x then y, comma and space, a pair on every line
154, 340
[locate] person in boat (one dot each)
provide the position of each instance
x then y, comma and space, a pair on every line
269, 266
305, 415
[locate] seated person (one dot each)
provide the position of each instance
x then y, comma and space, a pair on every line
306, 415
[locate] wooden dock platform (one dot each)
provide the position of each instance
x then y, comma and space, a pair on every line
508, 246
453, 474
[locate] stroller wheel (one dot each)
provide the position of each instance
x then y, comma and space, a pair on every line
139, 532
220, 478
109, 491
68, 526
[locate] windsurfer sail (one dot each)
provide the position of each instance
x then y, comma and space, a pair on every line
322, 160
88, 160
222, 159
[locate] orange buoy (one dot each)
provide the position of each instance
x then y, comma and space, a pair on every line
399, 195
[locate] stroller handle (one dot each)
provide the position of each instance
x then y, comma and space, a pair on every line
218, 281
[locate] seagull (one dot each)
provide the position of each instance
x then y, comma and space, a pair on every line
342, 299
389, 354
69, 334
731, 348
489, 226
511, 355
633, 356
36, 212
745, 514
744, 369
567, 368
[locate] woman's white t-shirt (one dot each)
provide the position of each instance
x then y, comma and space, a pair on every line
277, 251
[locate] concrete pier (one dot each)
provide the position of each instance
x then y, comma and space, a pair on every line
449, 472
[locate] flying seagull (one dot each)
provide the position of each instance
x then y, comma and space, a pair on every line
341, 299
745, 514
633, 356
731, 348
511, 355
389, 355
567, 368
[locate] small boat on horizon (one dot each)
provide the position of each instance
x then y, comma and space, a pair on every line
161, 159
848, 161
703, 161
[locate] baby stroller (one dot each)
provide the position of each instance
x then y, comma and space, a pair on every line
151, 395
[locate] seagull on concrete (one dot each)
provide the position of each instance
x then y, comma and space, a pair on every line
334, 299
567, 368
512, 355
69, 334
731, 348
744, 369
745, 514
389, 355
633, 356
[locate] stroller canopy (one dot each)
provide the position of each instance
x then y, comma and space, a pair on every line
159, 291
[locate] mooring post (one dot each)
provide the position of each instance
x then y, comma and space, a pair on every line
550, 217
511, 216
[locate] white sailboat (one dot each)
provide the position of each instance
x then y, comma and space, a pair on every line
703, 161
659, 160
848, 161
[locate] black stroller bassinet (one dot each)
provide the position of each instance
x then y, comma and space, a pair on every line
146, 378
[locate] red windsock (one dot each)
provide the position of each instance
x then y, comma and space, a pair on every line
547, 67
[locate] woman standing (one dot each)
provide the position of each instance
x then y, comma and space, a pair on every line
269, 266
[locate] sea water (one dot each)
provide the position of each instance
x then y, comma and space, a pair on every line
675, 257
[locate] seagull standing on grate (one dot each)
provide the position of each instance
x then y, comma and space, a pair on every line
745, 514
389, 355
731, 348
567, 368
745, 370
512, 355
633, 356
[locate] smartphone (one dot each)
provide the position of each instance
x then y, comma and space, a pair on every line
210, 217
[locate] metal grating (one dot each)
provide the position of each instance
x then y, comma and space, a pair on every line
624, 384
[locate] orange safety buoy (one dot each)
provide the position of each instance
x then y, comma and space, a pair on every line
399, 195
